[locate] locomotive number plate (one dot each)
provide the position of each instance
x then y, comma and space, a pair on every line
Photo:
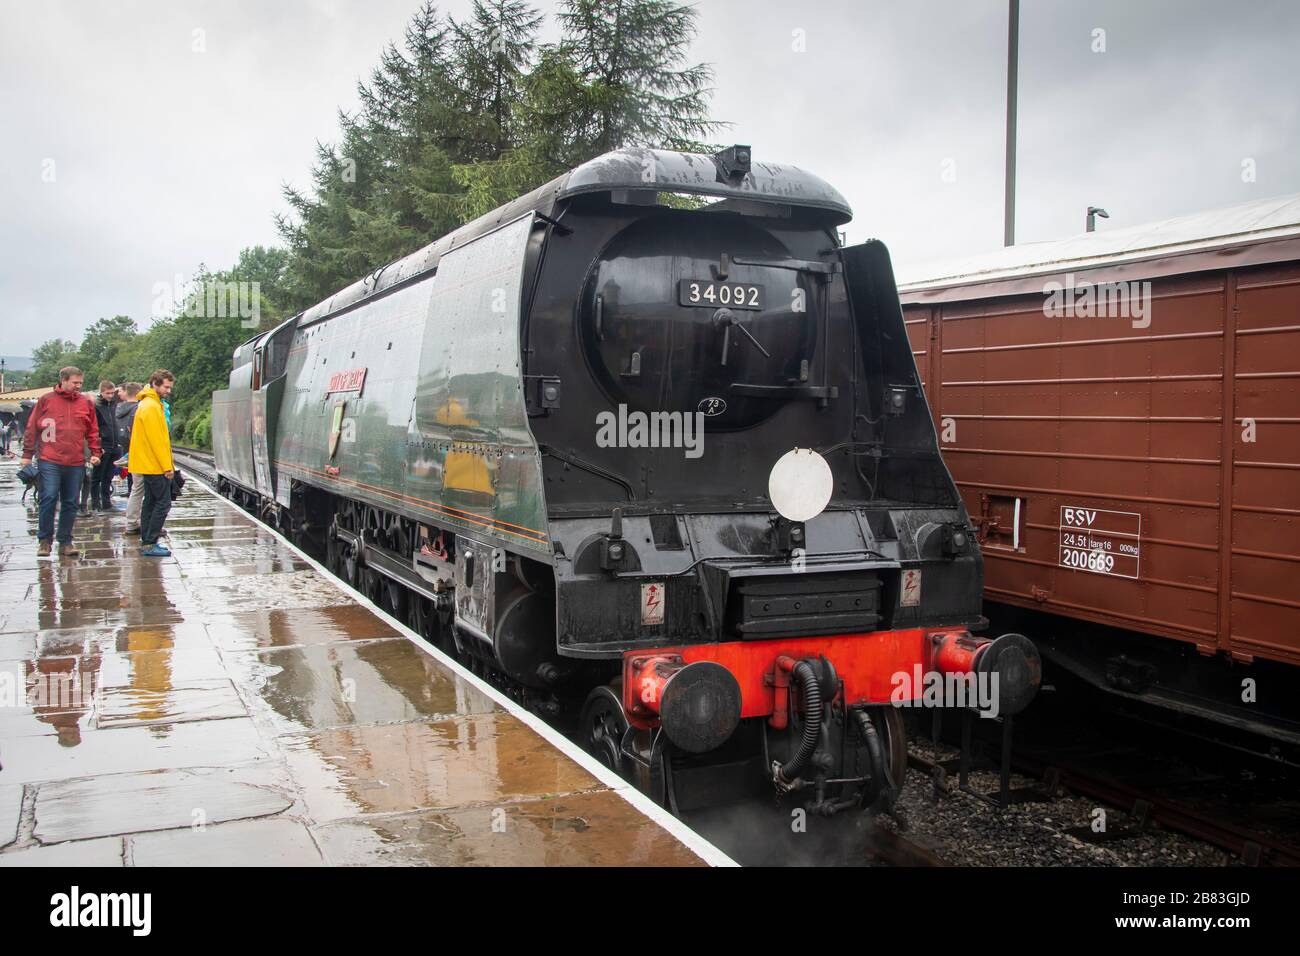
711, 294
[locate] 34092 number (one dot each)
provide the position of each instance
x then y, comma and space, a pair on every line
705, 292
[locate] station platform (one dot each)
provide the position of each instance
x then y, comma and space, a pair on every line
236, 705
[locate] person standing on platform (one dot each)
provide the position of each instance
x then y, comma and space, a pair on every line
150, 460
62, 426
101, 480
125, 419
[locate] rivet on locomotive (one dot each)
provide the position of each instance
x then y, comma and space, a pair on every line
648, 447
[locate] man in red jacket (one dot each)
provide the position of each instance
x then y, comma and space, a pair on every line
62, 425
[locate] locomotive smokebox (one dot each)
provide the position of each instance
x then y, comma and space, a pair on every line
698, 704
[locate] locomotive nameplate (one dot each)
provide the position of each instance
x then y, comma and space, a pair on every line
348, 380
710, 294
1103, 542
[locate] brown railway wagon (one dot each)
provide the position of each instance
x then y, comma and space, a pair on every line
1130, 455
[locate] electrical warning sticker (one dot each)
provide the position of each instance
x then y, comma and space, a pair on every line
1103, 542
652, 603
909, 595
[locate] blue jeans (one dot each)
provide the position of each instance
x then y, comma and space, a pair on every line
59, 484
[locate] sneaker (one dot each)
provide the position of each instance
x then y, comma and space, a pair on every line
156, 551
135, 530
43, 549
69, 551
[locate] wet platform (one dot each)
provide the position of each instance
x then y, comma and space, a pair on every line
233, 705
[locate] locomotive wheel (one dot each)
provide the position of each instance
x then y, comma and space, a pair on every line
893, 736
372, 586
351, 567
334, 555
396, 600
602, 725
424, 621
430, 625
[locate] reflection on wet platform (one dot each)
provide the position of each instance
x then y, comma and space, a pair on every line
231, 706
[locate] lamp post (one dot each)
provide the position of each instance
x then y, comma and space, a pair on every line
1009, 185
1093, 213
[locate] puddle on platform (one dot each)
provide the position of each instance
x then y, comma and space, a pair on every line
402, 767
596, 829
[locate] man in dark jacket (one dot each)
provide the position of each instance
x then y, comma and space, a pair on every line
101, 479
62, 424
126, 407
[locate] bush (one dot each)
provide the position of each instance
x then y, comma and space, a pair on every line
198, 430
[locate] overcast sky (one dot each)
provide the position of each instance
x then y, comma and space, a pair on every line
163, 157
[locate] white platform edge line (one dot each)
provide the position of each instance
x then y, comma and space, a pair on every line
701, 847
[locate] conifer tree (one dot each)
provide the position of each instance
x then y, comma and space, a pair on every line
491, 53
638, 89
464, 116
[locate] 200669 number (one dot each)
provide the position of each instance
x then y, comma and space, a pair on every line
1087, 560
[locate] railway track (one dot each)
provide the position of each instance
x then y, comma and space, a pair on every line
1156, 779
1153, 803
196, 462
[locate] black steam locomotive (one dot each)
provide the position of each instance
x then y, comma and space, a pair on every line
646, 445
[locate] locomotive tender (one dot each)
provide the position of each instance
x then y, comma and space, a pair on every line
647, 441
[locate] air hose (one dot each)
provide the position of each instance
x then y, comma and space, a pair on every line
812, 723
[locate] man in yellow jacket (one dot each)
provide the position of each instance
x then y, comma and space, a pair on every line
150, 460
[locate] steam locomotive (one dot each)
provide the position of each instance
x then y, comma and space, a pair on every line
646, 446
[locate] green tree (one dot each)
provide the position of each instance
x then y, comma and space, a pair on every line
637, 88
618, 77
387, 189
49, 357
195, 345
100, 344
466, 115
490, 55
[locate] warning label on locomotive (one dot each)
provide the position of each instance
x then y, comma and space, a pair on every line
910, 593
652, 603
1103, 542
